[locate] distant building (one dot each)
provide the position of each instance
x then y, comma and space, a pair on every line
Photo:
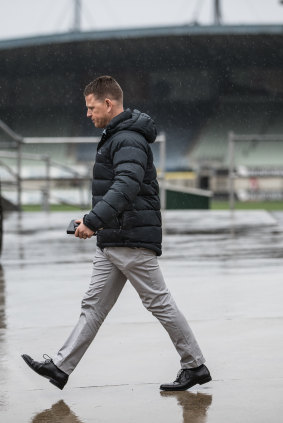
197, 82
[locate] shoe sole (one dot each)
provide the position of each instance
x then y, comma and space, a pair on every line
201, 382
57, 384
53, 381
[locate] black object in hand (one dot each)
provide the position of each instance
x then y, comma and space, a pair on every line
71, 229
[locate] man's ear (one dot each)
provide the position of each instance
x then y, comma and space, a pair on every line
109, 104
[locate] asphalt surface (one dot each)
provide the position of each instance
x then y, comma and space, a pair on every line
226, 274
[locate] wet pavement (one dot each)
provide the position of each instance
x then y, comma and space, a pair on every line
226, 274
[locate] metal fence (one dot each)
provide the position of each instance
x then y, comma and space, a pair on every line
20, 156
233, 139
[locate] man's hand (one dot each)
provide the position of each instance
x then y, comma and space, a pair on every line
82, 230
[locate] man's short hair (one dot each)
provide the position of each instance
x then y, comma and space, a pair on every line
104, 87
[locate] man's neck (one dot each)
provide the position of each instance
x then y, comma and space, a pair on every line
116, 113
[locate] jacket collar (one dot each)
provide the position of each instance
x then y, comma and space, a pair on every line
126, 114
110, 128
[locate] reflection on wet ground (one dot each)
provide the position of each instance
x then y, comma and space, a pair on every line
194, 408
225, 273
194, 405
58, 413
200, 235
2, 298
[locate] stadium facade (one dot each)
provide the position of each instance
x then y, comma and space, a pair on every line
197, 82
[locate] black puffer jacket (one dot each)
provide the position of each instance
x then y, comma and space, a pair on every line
125, 190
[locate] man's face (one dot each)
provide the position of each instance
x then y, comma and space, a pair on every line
98, 111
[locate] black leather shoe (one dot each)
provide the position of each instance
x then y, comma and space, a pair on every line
48, 369
186, 378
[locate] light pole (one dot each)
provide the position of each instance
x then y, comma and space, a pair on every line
77, 16
217, 12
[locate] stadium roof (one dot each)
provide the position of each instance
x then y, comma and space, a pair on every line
184, 30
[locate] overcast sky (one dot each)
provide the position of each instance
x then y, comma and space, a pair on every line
23, 18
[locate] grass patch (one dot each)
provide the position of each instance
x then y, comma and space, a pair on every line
249, 205
53, 207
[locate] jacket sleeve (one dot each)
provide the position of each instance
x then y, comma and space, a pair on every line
129, 158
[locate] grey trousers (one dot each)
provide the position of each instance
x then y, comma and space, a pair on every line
111, 269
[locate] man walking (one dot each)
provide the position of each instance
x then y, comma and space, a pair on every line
126, 219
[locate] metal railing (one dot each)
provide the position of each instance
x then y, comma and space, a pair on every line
19, 156
19, 141
232, 140
76, 176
